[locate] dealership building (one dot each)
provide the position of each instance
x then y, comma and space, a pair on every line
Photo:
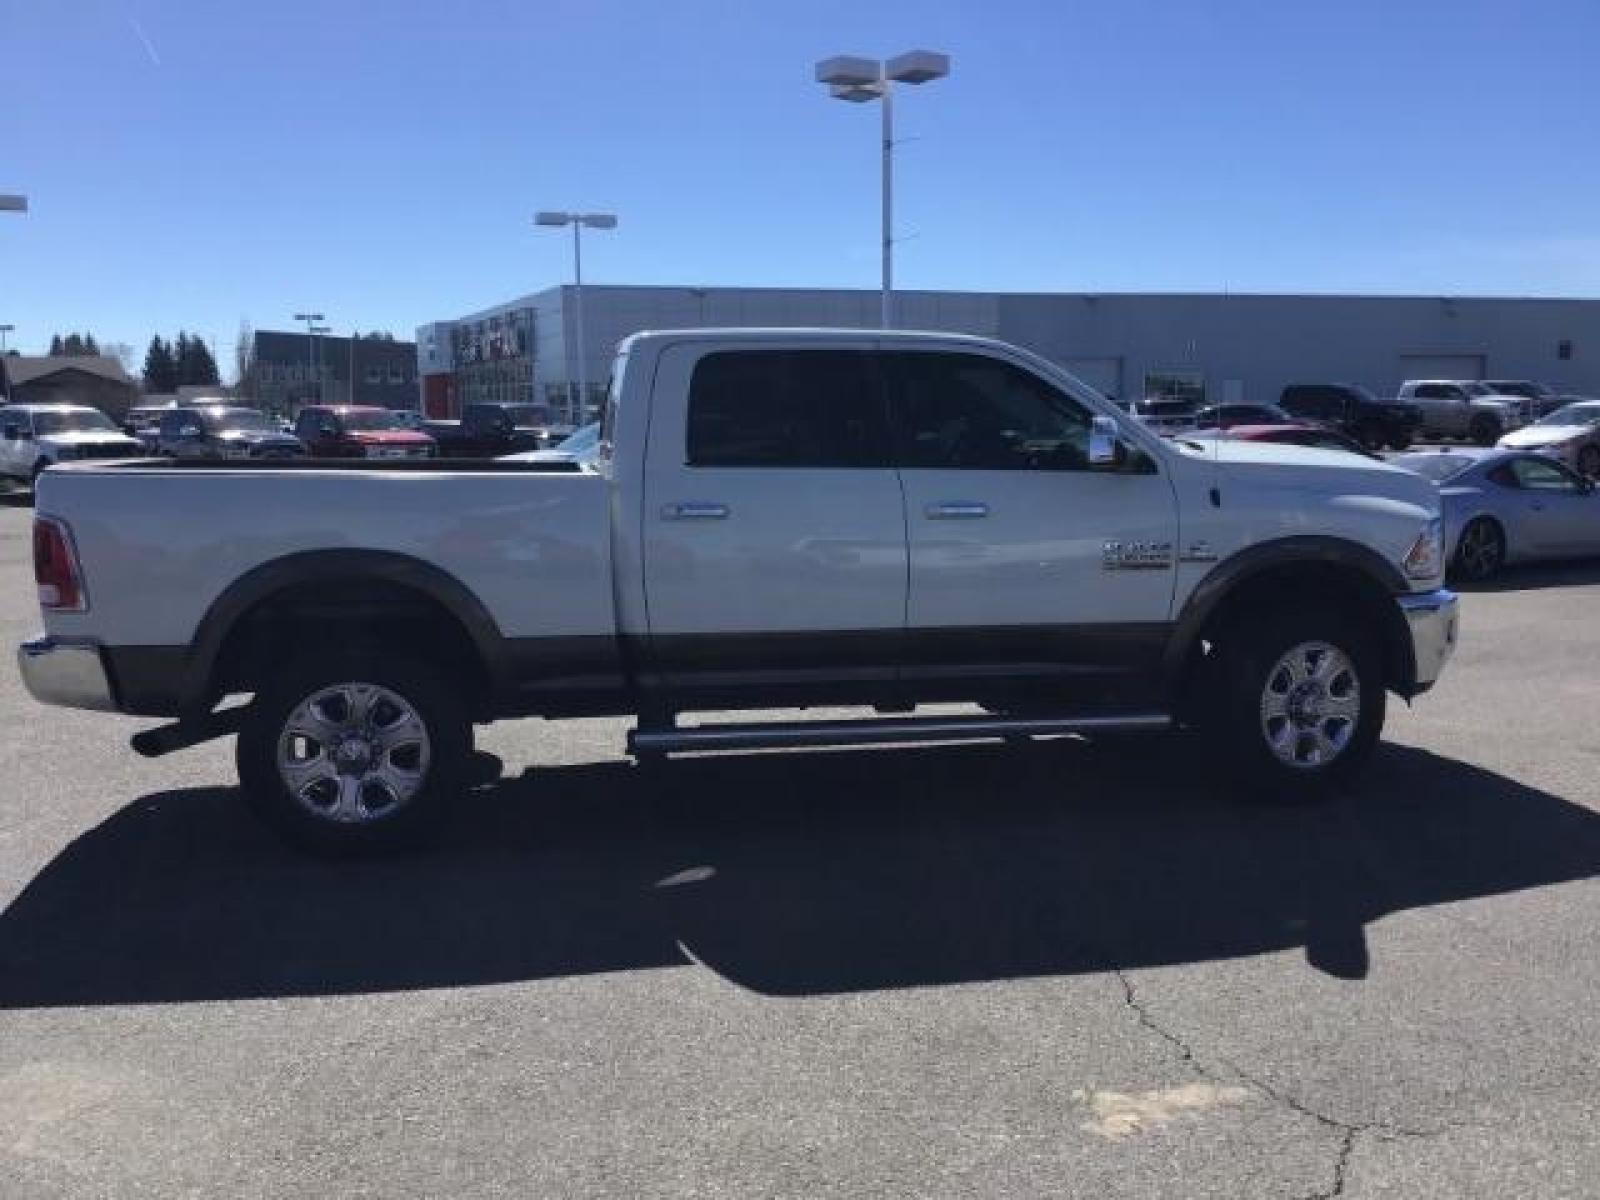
1211, 347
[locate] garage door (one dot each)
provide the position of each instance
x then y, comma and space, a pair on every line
1104, 375
1441, 366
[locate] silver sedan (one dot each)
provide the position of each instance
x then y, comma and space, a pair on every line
1571, 433
1507, 506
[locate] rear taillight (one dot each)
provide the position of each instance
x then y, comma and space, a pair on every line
55, 567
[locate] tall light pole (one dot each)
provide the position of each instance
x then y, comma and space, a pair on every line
578, 221
320, 330
4, 329
859, 80
311, 346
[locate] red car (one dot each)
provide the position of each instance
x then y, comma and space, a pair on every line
359, 431
1295, 435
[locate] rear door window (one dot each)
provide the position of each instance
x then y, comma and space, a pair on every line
787, 408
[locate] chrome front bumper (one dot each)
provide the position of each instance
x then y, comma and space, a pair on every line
1432, 619
67, 673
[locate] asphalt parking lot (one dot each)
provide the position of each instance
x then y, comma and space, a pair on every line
1063, 969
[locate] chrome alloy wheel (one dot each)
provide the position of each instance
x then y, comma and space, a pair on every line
353, 752
1480, 550
1311, 705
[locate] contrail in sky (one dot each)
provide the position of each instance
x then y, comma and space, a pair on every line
149, 46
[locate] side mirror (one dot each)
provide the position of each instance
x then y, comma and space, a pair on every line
1105, 445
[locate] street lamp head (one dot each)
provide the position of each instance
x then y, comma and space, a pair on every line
599, 220
552, 218
308, 317
917, 66
845, 70
855, 93
13, 204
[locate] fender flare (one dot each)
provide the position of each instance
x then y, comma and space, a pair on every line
334, 566
1227, 577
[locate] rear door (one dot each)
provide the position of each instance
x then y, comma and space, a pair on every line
1445, 408
1026, 563
774, 530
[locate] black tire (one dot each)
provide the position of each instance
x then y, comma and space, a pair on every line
1481, 550
1400, 441
383, 820
1308, 748
1370, 437
1484, 430
1589, 461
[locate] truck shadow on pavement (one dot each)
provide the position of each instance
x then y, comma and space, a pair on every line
789, 875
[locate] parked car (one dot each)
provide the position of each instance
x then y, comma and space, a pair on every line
492, 430
1542, 400
1464, 408
1315, 436
409, 418
582, 446
1225, 416
144, 423
359, 431
816, 517
36, 436
1355, 411
217, 432
1165, 417
1508, 506
1570, 434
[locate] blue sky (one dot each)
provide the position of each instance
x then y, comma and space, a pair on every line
196, 164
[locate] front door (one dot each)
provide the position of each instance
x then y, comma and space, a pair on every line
1560, 511
774, 531
1026, 563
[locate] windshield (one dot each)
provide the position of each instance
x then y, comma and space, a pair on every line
1438, 467
239, 418
1573, 414
78, 420
369, 420
1478, 389
1164, 408
523, 415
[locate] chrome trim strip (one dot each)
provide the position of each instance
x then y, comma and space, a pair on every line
884, 731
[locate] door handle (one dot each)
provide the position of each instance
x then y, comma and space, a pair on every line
694, 511
956, 510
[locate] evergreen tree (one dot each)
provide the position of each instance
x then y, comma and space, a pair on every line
74, 346
160, 368
89, 346
56, 349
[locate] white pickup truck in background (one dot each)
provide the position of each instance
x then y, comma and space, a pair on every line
777, 518
1464, 408
36, 436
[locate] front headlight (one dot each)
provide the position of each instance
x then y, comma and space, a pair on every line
1425, 559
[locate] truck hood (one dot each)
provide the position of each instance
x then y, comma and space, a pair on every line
1534, 436
1310, 470
90, 437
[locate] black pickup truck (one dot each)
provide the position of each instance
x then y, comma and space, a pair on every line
490, 430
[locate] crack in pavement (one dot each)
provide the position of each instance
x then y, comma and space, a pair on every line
1347, 1131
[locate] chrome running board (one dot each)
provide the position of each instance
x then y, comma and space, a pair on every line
782, 735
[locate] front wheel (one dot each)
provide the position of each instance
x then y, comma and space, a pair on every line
1481, 551
353, 752
1484, 431
1400, 441
1589, 461
1303, 703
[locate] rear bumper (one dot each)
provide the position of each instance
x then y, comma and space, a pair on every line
68, 673
1431, 618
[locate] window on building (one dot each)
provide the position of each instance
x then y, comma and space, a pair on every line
374, 375
786, 408
397, 375
1181, 384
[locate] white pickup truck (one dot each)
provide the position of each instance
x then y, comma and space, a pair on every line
777, 518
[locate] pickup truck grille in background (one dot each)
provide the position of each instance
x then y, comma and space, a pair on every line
111, 450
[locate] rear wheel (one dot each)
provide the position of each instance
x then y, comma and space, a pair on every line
1484, 431
1370, 437
1302, 702
1481, 552
1589, 461
1400, 441
354, 752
